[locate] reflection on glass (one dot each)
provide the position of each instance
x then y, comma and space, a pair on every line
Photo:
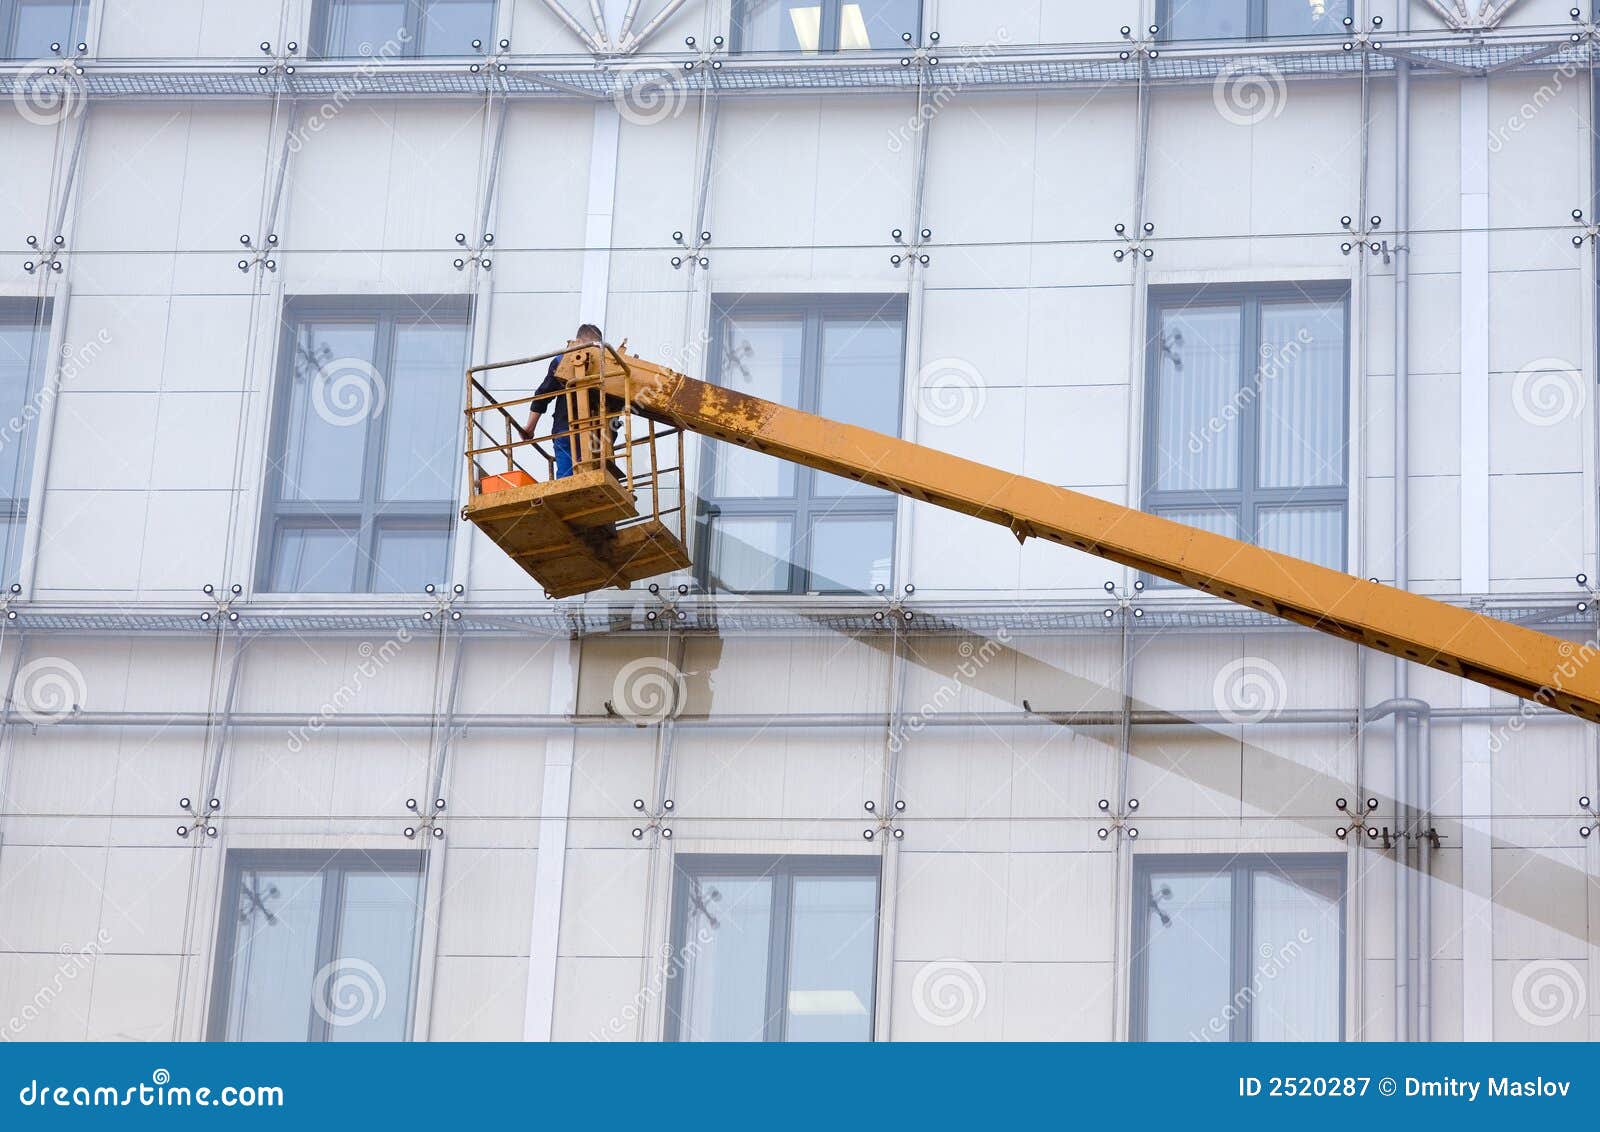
1188, 960
450, 26
420, 460
877, 24
1301, 383
325, 436
780, 25
761, 357
1306, 17
862, 359
1296, 923
408, 558
274, 961
365, 28
851, 554
39, 23
1315, 534
363, 997
1207, 19
752, 555
832, 945
726, 946
313, 560
1197, 437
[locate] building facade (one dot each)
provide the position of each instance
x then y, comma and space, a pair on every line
290, 752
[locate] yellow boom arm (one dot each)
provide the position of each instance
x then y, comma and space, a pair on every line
1470, 645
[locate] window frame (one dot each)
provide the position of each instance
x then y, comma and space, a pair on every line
1251, 498
15, 508
8, 28
414, 48
1240, 868
804, 506
1255, 20
687, 866
369, 514
339, 863
827, 34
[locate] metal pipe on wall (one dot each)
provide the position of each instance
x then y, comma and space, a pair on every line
1402, 518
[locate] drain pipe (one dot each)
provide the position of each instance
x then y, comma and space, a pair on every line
1402, 519
1425, 877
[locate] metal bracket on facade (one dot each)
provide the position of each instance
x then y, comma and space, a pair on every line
1586, 804
696, 257
1121, 824
282, 62
1125, 601
1357, 823
202, 826
886, 826
1135, 247
50, 253
1364, 241
222, 605
13, 593
704, 57
668, 608
1589, 231
1144, 46
657, 820
921, 56
913, 257
494, 62
443, 603
431, 823
474, 252
894, 609
263, 252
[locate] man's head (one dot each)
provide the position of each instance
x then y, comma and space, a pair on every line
588, 333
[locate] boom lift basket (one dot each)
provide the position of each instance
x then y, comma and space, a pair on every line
617, 519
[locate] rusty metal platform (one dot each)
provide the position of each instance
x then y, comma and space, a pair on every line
566, 533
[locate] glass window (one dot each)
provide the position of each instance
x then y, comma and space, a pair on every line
29, 28
24, 344
1240, 19
362, 481
316, 947
772, 526
811, 26
1239, 948
774, 949
345, 29
1247, 422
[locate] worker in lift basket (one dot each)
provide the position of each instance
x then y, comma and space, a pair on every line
552, 387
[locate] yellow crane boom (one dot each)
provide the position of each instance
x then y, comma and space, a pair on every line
584, 511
